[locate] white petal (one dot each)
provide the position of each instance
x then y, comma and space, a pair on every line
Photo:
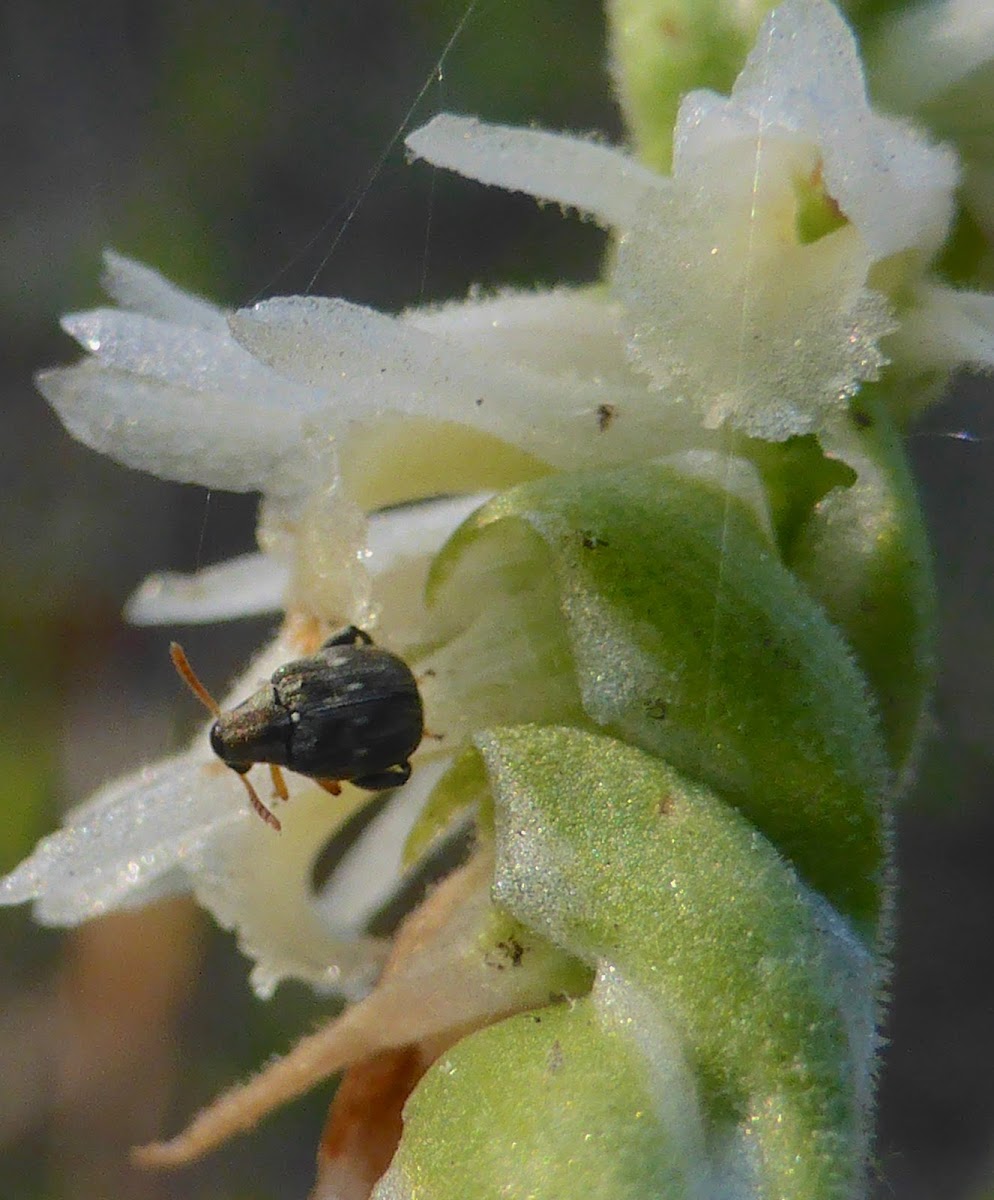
137, 287
378, 366
258, 883
116, 846
401, 545
217, 440
596, 179
729, 310
805, 75
369, 361
571, 333
208, 361
134, 831
732, 315
416, 530
255, 584
246, 586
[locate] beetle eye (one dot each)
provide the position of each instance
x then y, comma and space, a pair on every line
217, 741
222, 749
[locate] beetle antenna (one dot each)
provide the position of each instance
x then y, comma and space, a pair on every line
189, 677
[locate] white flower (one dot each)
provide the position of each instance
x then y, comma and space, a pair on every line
724, 303
721, 309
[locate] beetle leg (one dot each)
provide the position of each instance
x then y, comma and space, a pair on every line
330, 785
382, 780
257, 804
351, 635
279, 783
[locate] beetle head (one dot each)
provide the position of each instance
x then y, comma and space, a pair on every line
257, 730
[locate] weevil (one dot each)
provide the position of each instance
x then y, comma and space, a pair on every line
352, 711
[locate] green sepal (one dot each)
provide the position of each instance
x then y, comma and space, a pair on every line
681, 632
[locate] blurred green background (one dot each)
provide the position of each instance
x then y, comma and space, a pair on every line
224, 144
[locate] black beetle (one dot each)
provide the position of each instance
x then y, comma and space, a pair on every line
352, 711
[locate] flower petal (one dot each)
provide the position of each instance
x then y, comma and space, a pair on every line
805, 75
140, 289
730, 307
123, 840
216, 439
246, 586
736, 317
415, 530
419, 405
208, 361
373, 363
599, 180
258, 884
254, 584
570, 333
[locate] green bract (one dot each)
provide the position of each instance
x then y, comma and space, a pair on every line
864, 554
551, 1104
659, 610
729, 1037
704, 858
